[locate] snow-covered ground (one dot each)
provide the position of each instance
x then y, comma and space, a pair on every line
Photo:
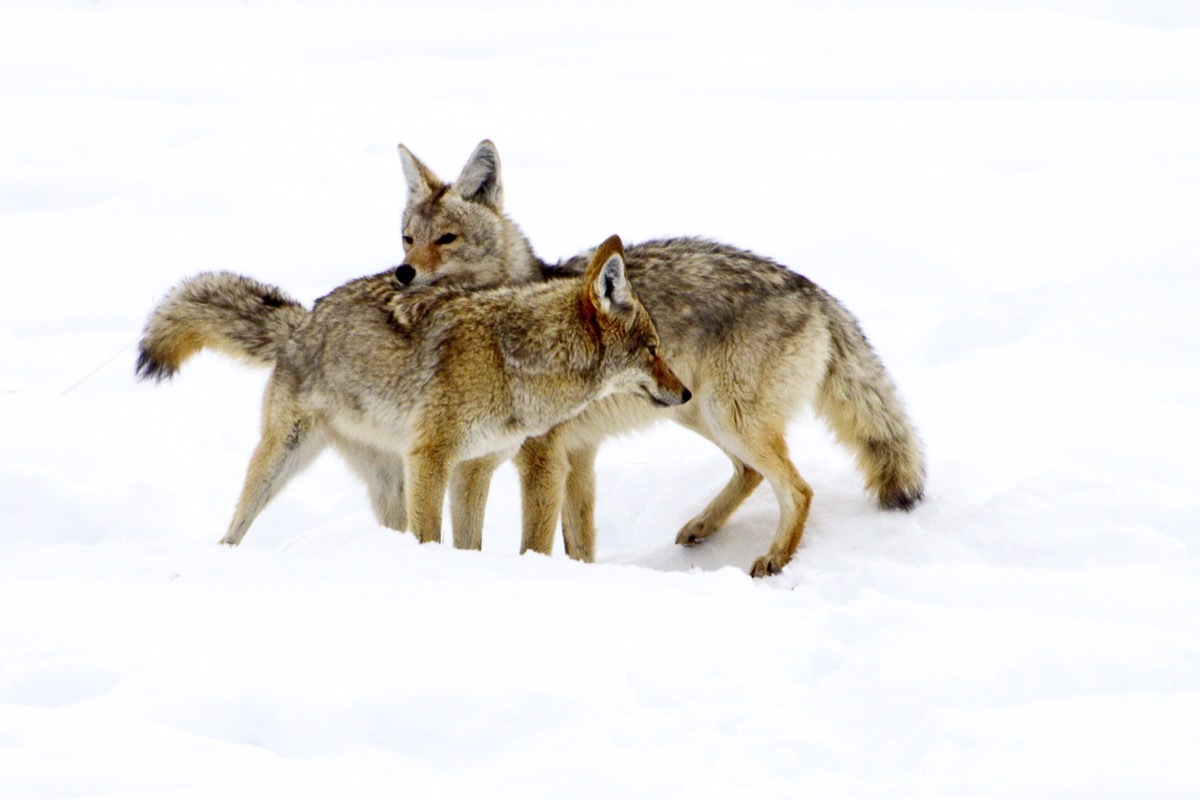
1007, 196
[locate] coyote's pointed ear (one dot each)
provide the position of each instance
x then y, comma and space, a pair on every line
606, 286
480, 178
421, 180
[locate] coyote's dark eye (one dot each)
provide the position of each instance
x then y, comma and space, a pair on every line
408, 240
447, 238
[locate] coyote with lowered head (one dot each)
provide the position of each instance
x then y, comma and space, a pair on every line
416, 388
755, 341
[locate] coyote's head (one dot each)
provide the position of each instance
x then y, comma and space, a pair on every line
458, 232
625, 333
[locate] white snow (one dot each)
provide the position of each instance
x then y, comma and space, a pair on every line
1008, 197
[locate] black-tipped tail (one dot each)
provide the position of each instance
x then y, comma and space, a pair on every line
221, 311
148, 367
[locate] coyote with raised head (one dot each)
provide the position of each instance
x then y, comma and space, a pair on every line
416, 388
755, 341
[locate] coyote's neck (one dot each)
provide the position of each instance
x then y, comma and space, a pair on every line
522, 264
549, 331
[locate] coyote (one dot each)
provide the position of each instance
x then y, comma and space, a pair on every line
755, 341
416, 388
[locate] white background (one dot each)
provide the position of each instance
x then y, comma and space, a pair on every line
1007, 194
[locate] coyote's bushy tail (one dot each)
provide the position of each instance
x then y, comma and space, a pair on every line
860, 403
229, 313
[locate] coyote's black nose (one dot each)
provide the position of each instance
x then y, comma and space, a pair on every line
687, 395
405, 274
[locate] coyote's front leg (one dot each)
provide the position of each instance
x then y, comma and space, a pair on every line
426, 473
469, 485
542, 466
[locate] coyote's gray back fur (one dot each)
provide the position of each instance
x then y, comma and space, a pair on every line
754, 340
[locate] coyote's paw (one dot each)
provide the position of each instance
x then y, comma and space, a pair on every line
770, 564
694, 533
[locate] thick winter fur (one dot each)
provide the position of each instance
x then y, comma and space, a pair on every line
436, 385
755, 341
